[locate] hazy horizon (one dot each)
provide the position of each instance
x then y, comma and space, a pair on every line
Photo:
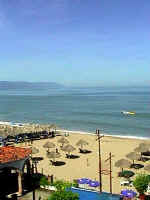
63, 85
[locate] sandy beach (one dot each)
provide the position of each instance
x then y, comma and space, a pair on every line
87, 165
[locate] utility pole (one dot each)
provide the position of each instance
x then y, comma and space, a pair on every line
110, 156
100, 166
110, 170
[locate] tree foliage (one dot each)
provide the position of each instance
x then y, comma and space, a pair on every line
64, 195
141, 183
44, 181
62, 185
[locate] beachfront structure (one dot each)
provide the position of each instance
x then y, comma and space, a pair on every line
13, 160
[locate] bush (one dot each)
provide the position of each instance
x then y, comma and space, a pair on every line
64, 195
62, 185
126, 174
44, 181
141, 183
75, 183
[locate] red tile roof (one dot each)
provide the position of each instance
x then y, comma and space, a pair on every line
10, 154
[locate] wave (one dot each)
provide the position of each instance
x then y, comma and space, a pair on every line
105, 134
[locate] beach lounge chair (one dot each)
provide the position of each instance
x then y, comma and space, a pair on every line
52, 188
81, 186
148, 189
52, 162
126, 183
68, 155
47, 187
84, 150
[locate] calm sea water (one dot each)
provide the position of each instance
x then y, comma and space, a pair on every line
82, 109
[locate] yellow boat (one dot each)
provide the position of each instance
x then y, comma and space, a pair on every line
128, 113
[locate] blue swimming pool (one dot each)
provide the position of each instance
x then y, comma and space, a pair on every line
90, 195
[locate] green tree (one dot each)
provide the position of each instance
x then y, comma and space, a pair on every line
62, 185
64, 195
141, 183
44, 181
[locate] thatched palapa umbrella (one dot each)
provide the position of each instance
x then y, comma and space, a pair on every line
133, 156
147, 144
81, 143
143, 147
53, 127
147, 168
123, 163
49, 145
68, 148
34, 150
53, 155
63, 141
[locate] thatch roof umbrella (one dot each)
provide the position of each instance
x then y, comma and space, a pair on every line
147, 168
1, 133
68, 148
63, 141
53, 155
6, 131
49, 128
147, 144
49, 145
133, 156
143, 147
123, 163
53, 127
34, 150
38, 129
81, 143
15, 131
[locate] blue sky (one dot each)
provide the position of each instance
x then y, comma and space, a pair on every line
75, 42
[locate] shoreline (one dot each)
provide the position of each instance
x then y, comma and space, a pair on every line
20, 125
105, 134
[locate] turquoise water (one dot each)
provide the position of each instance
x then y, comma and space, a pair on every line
88, 195
82, 109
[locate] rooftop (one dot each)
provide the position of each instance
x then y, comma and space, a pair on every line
10, 153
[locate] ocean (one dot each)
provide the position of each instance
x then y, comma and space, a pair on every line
81, 109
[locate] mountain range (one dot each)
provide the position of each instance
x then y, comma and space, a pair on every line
22, 85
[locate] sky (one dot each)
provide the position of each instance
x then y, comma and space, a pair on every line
75, 42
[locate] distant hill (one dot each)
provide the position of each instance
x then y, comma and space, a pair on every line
21, 85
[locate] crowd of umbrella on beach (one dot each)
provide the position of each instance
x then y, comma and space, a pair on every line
65, 146
25, 133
